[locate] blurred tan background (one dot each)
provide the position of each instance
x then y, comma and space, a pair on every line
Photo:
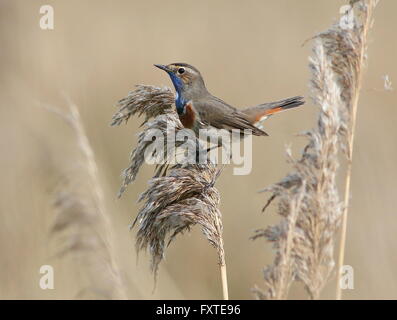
249, 52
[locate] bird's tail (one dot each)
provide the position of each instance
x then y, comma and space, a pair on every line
261, 112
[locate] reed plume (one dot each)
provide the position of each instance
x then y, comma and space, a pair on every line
158, 144
145, 99
176, 202
308, 203
179, 195
81, 226
308, 199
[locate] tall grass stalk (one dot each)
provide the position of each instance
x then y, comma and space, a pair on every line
366, 8
81, 225
304, 239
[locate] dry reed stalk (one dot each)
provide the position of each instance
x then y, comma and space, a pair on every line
336, 66
278, 277
353, 44
308, 201
81, 224
178, 197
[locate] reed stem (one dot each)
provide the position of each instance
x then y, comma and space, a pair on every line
224, 281
222, 262
354, 106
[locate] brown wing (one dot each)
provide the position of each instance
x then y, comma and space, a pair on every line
217, 113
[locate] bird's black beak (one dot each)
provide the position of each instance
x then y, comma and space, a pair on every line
162, 67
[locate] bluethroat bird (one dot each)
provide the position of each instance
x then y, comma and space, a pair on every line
199, 109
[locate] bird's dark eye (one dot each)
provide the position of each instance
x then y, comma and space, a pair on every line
181, 70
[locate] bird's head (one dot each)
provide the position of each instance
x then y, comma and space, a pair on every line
184, 77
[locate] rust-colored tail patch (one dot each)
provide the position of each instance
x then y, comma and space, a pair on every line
262, 111
268, 112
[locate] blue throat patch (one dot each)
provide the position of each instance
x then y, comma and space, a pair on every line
179, 101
